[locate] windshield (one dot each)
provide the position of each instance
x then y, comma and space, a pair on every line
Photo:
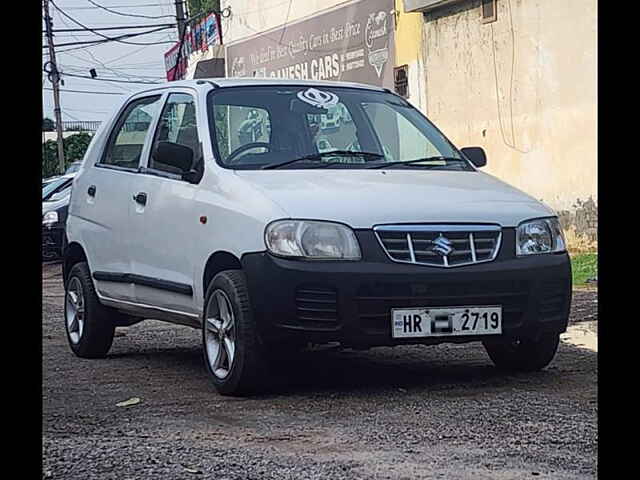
296, 127
54, 186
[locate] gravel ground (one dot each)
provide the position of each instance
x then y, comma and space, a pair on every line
398, 413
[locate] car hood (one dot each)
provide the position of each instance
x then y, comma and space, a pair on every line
54, 205
365, 198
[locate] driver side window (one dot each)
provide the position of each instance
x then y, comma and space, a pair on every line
237, 126
177, 126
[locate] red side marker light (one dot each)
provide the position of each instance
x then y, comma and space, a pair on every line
203, 219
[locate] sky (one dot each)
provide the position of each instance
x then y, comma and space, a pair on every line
113, 60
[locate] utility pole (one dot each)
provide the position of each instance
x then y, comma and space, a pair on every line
180, 17
181, 22
54, 78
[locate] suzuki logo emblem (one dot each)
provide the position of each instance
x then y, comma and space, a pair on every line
442, 245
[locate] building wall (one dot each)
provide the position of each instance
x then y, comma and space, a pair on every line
249, 17
525, 89
409, 51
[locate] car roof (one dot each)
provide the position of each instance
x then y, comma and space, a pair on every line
253, 81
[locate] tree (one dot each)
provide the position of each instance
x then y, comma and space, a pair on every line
202, 6
75, 147
48, 125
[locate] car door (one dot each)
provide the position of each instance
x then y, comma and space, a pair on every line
164, 227
107, 202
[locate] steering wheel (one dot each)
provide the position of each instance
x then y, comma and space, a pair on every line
246, 147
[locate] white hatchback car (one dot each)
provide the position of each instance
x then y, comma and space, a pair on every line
267, 244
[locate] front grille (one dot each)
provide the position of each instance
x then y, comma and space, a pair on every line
440, 245
375, 302
317, 305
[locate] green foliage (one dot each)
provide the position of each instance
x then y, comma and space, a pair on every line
48, 125
584, 266
202, 6
74, 148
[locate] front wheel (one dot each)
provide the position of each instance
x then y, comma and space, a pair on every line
89, 327
232, 351
524, 355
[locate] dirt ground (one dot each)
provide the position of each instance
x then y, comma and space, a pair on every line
396, 413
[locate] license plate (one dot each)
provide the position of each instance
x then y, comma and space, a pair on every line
445, 321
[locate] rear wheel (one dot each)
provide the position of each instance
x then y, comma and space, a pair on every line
232, 351
88, 325
524, 355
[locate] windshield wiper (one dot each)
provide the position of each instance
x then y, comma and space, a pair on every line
418, 160
320, 156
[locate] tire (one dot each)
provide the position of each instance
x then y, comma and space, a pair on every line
245, 373
87, 322
527, 355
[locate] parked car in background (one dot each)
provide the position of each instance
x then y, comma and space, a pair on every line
332, 119
324, 145
405, 241
55, 205
47, 181
52, 184
74, 167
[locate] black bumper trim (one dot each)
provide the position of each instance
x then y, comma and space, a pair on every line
535, 294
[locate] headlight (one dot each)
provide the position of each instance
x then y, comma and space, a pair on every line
312, 240
50, 218
543, 235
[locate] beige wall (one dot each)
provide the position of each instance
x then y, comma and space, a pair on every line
409, 46
522, 87
249, 17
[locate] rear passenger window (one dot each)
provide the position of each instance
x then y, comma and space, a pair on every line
128, 136
177, 126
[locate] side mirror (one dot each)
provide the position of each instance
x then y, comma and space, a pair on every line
174, 155
475, 155
194, 175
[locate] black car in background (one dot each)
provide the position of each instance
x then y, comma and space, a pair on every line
55, 204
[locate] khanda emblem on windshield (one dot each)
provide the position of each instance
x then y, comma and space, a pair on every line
318, 98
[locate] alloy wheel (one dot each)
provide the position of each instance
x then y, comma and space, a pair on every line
74, 310
220, 334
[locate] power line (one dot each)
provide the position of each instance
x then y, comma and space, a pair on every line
97, 33
86, 111
78, 69
88, 52
121, 6
107, 79
124, 27
86, 91
127, 14
284, 29
126, 55
114, 39
72, 117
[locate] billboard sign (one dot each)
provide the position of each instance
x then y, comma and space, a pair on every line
200, 37
350, 43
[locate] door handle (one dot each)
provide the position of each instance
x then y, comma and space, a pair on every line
140, 198
92, 191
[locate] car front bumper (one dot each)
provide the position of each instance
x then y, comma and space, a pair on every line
351, 302
52, 240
